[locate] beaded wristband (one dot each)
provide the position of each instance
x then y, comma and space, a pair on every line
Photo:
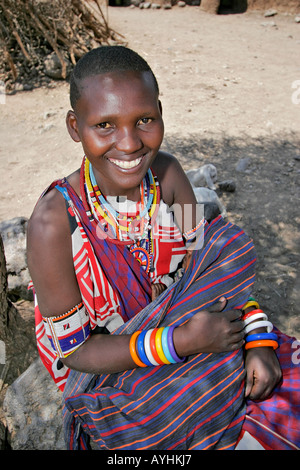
250, 303
141, 349
171, 346
190, 235
165, 345
153, 348
158, 346
132, 349
261, 336
148, 348
249, 314
263, 343
256, 316
258, 324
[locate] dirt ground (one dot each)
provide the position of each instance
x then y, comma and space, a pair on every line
230, 89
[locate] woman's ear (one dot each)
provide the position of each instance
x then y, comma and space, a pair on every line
71, 121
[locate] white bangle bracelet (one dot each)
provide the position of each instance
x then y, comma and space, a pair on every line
148, 350
258, 324
254, 317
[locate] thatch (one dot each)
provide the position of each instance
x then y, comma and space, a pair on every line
33, 30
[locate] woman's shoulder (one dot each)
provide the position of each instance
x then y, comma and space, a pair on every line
48, 221
168, 171
175, 186
50, 211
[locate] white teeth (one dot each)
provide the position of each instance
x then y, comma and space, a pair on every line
126, 165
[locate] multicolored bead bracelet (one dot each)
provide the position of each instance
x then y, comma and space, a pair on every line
253, 320
154, 347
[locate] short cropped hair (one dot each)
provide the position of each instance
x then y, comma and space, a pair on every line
106, 59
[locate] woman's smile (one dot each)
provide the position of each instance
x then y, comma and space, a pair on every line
126, 165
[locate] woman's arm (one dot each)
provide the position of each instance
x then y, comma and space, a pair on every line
51, 266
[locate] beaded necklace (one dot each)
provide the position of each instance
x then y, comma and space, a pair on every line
134, 230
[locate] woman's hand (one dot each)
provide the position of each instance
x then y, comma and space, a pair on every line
210, 331
263, 372
157, 289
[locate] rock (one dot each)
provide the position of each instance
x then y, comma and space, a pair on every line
145, 5
181, 4
52, 66
206, 175
269, 24
32, 409
210, 6
167, 6
155, 6
297, 19
208, 197
13, 234
228, 186
270, 12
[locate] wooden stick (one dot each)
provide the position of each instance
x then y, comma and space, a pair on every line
38, 25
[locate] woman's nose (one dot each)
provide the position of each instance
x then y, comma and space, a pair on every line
128, 141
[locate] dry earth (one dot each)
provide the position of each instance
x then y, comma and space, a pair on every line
227, 92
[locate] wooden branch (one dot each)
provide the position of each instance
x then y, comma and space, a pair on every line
37, 24
9, 59
30, 29
11, 22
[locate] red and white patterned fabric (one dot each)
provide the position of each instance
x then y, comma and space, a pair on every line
100, 300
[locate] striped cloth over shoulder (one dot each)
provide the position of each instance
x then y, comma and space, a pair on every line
198, 404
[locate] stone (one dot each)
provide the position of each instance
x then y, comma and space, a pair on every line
270, 12
297, 19
13, 234
243, 164
206, 175
32, 410
52, 66
227, 186
208, 197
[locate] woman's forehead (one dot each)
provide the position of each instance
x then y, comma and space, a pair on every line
118, 83
111, 92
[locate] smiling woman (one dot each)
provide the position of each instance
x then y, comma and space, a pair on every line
137, 296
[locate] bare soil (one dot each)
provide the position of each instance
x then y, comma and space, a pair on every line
227, 92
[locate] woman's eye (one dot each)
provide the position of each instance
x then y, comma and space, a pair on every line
145, 121
103, 125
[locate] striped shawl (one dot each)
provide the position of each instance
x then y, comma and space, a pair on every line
197, 404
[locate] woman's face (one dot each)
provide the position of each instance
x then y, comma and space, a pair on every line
118, 121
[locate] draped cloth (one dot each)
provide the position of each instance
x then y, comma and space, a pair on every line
198, 404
